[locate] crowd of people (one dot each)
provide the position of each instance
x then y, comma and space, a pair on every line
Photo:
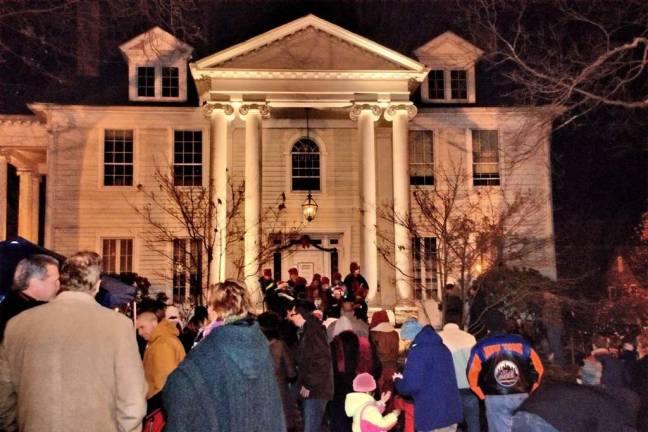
314, 359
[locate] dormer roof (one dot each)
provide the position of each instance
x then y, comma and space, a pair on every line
155, 44
446, 47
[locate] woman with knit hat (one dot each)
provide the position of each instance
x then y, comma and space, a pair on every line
385, 340
365, 410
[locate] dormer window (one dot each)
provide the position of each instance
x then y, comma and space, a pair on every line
451, 60
157, 67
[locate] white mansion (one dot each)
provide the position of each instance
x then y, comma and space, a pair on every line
306, 108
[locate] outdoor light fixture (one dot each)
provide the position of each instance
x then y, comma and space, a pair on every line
309, 208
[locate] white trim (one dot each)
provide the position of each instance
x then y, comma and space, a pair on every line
121, 236
205, 155
390, 75
317, 139
300, 24
180, 64
469, 156
448, 38
471, 91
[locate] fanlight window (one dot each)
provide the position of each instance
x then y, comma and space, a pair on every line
305, 165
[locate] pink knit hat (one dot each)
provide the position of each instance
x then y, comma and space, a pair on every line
364, 382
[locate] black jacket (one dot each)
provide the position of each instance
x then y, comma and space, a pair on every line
314, 367
15, 303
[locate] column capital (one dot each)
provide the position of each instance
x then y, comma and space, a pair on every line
374, 109
262, 108
209, 108
409, 109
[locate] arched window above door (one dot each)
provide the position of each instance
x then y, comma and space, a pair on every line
305, 155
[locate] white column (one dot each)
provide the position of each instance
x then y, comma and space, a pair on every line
219, 115
36, 179
3, 197
399, 116
252, 114
25, 205
366, 115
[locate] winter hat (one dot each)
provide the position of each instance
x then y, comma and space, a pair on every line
325, 280
293, 270
379, 317
172, 314
495, 321
337, 277
354, 266
364, 382
410, 329
317, 277
267, 272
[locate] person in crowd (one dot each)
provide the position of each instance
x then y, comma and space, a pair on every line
163, 353
429, 379
315, 294
460, 343
314, 368
354, 281
334, 298
266, 281
284, 365
453, 305
385, 340
35, 282
408, 331
614, 370
326, 283
227, 381
367, 413
172, 314
351, 354
73, 364
476, 312
296, 283
570, 407
190, 331
552, 321
348, 320
639, 380
502, 370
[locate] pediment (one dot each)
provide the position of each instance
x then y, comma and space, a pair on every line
313, 44
448, 45
154, 44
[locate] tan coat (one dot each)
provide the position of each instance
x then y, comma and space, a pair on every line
163, 354
74, 366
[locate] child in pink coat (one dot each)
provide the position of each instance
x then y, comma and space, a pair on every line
365, 410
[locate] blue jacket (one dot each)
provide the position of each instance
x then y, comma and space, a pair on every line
429, 378
225, 384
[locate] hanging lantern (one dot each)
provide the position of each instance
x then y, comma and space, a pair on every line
309, 208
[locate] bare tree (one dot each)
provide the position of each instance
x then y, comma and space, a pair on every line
568, 54
172, 213
473, 230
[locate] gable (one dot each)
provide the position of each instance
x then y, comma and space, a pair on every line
448, 46
310, 49
155, 44
310, 43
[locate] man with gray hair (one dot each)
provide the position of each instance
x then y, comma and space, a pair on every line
72, 364
36, 281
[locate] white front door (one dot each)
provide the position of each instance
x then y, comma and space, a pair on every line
310, 260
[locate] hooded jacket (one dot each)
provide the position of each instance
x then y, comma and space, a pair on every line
314, 367
226, 383
503, 364
429, 378
367, 414
163, 354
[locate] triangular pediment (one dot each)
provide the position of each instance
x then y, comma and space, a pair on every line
447, 45
155, 43
310, 43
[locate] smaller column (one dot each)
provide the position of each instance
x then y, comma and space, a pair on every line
36, 179
399, 115
253, 114
25, 205
366, 115
3, 197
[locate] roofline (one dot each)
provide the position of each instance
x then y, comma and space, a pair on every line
301, 23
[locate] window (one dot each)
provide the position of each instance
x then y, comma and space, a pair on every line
485, 158
187, 158
305, 165
118, 157
187, 269
421, 146
117, 255
425, 271
436, 84
458, 84
170, 82
146, 81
